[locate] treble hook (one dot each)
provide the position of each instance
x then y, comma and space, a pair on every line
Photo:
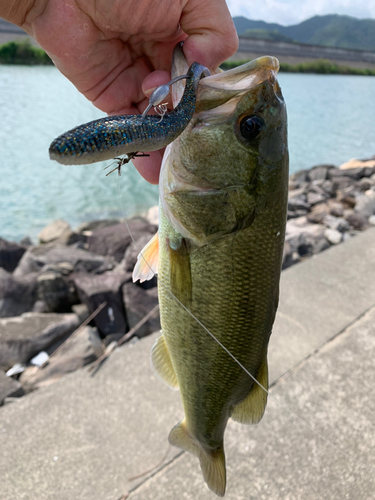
125, 159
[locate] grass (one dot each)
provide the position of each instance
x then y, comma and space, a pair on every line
320, 66
22, 52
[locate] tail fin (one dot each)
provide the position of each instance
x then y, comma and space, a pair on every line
212, 462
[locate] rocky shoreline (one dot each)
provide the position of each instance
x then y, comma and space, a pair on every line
83, 276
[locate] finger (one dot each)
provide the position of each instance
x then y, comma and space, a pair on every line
212, 36
149, 166
153, 80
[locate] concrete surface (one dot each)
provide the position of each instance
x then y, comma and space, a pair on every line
83, 437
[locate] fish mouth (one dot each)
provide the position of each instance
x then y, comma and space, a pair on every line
222, 86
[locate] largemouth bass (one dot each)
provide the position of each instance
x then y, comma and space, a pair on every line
223, 199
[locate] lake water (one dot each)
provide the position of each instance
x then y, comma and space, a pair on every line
331, 119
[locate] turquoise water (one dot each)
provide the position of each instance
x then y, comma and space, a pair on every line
330, 121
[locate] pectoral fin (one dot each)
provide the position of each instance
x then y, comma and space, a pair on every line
162, 363
147, 262
212, 461
251, 409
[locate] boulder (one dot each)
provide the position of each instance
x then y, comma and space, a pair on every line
153, 215
365, 204
36, 257
303, 236
371, 220
10, 254
88, 227
81, 348
319, 172
335, 208
313, 198
290, 257
298, 203
9, 388
114, 240
333, 236
353, 173
93, 290
353, 163
17, 295
337, 223
23, 337
318, 212
59, 231
138, 303
357, 221
56, 291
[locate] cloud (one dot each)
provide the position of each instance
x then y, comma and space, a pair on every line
289, 12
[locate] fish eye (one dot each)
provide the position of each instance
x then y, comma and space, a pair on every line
251, 127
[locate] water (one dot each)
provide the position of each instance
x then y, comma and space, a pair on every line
330, 121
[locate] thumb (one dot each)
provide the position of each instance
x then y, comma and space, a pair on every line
212, 37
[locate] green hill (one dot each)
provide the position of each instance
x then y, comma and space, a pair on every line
267, 35
332, 30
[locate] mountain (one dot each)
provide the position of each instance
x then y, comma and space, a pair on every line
332, 30
275, 35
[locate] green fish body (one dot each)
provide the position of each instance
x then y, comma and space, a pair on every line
223, 186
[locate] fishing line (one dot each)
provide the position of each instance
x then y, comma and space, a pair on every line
283, 405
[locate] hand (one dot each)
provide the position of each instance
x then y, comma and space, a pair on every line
115, 52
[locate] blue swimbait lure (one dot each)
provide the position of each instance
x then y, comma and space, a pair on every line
114, 136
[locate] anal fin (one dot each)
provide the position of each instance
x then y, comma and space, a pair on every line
212, 461
162, 363
251, 409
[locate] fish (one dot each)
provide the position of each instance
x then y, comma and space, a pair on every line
218, 254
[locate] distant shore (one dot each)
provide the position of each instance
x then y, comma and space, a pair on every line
22, 52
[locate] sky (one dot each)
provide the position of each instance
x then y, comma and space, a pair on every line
287, 12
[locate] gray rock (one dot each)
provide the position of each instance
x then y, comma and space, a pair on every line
56, 291
357, 221
80, 349
365, 204
139, 302
289, 257
353, 173
36, 257
303, 236
57, 230
320, 172
315, 198
298, 203
364, 184
10, 254
95, 224
318, 212
26, 241
81, 310
114, 240
372, 220
337, 223
297, 193
23, 337
321, 245
333, 236
9, 388
93, 290
300, 176
335, 208
17, 295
